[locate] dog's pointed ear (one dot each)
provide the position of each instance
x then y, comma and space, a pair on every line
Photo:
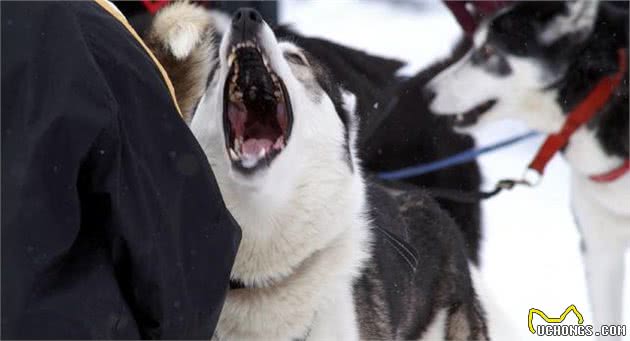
577, 20
182, 38
180, 27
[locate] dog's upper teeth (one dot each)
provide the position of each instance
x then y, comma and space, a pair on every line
278, 95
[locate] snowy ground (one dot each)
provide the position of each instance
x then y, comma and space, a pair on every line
531, 256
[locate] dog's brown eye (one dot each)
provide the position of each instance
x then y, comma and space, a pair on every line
295, 58
487, 51
484, 54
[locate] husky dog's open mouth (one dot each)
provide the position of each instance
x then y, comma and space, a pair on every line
473, 115
257, 114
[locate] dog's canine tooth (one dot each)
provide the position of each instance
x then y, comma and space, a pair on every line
460, 117
233, 155
231, 58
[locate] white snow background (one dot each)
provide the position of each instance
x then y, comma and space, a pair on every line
531, 256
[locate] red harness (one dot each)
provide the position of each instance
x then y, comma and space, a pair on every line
153, 6
581, 114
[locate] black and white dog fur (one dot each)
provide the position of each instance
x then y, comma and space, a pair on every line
535, 61
326, 252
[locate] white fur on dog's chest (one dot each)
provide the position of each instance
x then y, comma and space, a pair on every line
332, 318
313, 301
612, 198
586, 155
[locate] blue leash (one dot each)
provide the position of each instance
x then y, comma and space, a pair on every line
459, 158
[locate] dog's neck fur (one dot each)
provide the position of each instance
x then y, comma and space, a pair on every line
279, 227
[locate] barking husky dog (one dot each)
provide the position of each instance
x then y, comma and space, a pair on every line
326, 253
537, 62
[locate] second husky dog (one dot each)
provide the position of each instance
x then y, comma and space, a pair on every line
538, 62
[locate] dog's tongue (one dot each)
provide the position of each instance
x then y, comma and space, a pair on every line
237, 116
255, 147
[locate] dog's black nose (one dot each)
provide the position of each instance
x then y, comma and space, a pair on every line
246, 22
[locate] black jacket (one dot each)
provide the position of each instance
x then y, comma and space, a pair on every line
112, 223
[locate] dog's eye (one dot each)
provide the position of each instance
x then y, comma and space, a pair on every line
487, 51
484, 54
295, 58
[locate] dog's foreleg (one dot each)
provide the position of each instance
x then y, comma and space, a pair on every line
605, 240
604, 269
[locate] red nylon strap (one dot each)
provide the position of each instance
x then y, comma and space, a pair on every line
480, 9
154, 5
584, 111
613, 174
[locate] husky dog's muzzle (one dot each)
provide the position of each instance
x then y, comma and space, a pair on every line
257, 116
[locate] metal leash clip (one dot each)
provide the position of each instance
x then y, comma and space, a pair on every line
530, 178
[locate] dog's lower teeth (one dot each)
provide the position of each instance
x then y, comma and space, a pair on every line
236, 96
237, 144
279, 144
